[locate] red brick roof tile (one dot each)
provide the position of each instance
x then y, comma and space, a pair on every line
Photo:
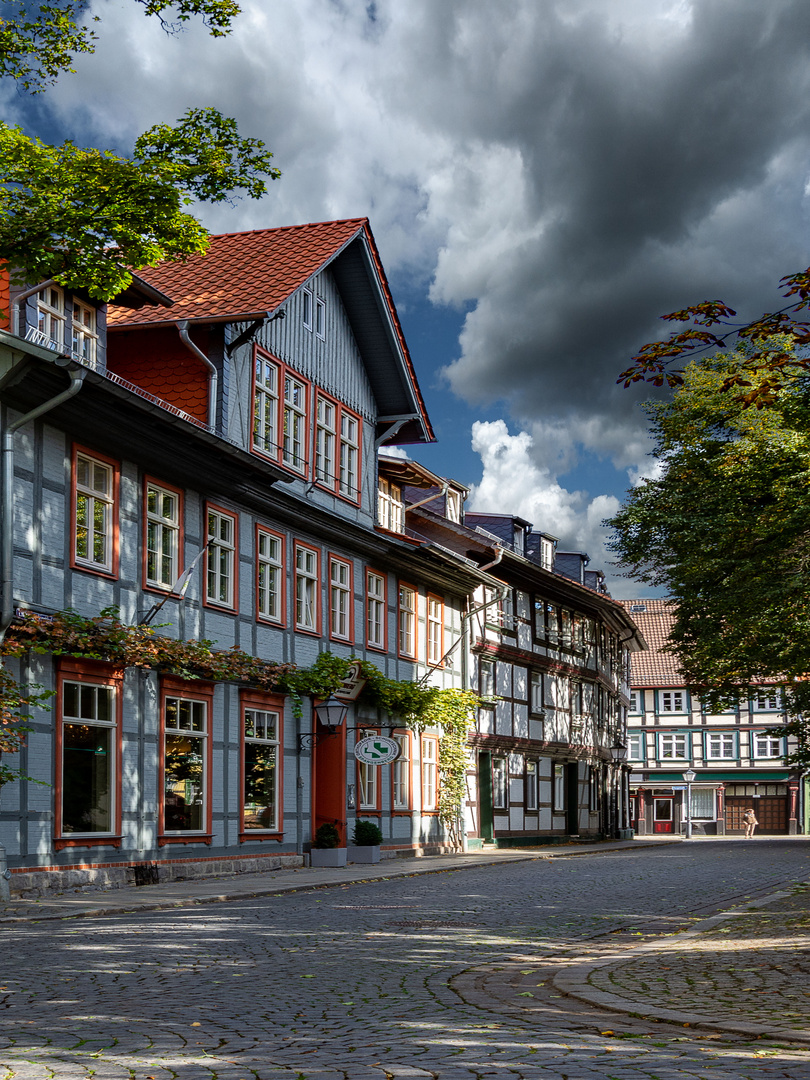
653, 668
242, 273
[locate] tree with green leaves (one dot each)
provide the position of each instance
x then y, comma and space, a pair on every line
725, 528
87, 217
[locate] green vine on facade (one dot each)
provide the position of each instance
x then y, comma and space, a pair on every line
106, 638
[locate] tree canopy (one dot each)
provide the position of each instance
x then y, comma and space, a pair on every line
87, 217
725, 527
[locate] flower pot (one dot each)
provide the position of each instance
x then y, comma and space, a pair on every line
333, 856
366, 853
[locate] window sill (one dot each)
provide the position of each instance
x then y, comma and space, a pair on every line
189, 838
245, 837
86, 841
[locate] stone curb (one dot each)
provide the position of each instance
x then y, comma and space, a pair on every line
246, 892
573, 982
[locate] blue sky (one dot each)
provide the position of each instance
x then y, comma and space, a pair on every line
544, 178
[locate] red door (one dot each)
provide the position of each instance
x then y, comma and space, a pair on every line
329, 781
662, 815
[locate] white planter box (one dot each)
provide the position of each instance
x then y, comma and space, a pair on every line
367, 853
333, 856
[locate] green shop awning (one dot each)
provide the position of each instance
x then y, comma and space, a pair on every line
730, 776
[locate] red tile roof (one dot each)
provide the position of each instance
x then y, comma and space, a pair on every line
242, 273
653, 668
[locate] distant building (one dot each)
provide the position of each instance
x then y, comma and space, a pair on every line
737, 762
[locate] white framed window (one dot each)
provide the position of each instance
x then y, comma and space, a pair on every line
320, 318
51, 317
453, 505
269, 575
306, 308
559, 788
265, 407
435, 629
499, 783
430, 773
635, 745
636, 701
407, 621
546, 554
537, 698
672, 701
261, 730
94, 523
295, 423
721, 744
375, 610
84, 341
88, 781
221, 570
349, 455
326, 442
486, 675
390, 508
530, 782
672, 745
368, 778
767, 701
185, 765
306, 588
662, 809
401, 777
703, 802
162, 537
768, 746
340, 598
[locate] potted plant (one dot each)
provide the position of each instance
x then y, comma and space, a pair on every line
325, 849
366, 841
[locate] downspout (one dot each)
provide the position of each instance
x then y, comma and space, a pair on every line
7, 516
430, 498
21, 298
182, 326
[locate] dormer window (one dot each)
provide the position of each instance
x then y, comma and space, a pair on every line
453, 505
546, 554
85, 336
389, 505
51, 317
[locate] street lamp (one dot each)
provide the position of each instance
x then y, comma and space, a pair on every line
331, 714
689, 776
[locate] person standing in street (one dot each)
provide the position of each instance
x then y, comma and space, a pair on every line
750, 819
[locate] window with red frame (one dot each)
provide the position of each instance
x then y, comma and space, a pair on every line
340, 599
186, 780
95, 498
401, 773
337, 448
375, 610
430, 773
269, 575
221, 558
162, 513
407, 621
294, 423
435, 629
306, 588
368, 778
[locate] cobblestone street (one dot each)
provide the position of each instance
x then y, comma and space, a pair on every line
447, 975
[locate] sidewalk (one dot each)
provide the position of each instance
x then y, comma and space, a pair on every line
213, 890
745, 972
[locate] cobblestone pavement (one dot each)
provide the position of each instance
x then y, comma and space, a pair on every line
409, 977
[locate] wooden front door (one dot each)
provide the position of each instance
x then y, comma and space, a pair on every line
771, 813
662, 815
329, 781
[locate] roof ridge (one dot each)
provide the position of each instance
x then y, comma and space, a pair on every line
288, 228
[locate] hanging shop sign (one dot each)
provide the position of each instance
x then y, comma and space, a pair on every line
377, 750
351, 687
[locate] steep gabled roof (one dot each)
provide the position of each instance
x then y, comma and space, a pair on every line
653, 668
249, 275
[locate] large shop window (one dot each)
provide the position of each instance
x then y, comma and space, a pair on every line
95, 513
186, 764
88, 772
221, 558
163, 520
261, 765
